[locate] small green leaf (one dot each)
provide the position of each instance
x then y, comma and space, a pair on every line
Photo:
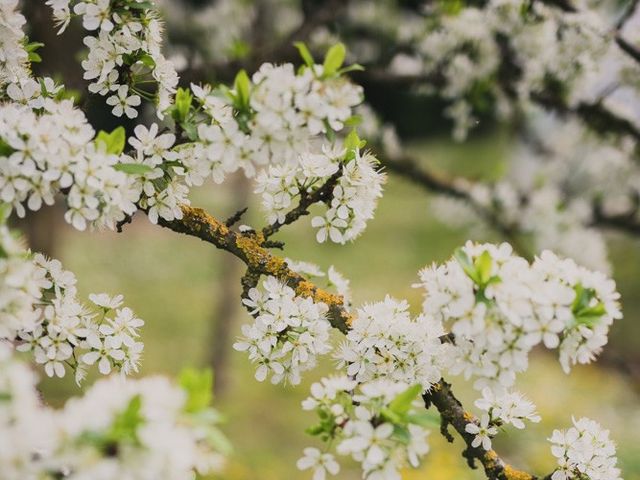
353, 121
125, 423
352, 141
182, 105
391, 416
5, 211
191, 130
114, 141
315, 430
34, 57
424, 419
133, 168
305, 53
5, 149
356, 67
465, 262
482, 266
33, 46
402, 434
199, 387
242, 86
451, 7
147, 60
402, 403
334, 59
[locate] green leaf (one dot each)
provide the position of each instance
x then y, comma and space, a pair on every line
199, 387
5, 211
34, 57
5, 149
402, 403
33, 46
133, 168
402, 434
352, 141
315, 430
451, 7
182, 105
391, 416
242, 86
465, 262
304, 53
424, 419
356, 67
147, 60
191, 130
125, 423
353, 121
334, 59
114, 141
482, 266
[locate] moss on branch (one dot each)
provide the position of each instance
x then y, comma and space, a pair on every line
249, 248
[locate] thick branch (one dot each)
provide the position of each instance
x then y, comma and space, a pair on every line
453, 414
249, 249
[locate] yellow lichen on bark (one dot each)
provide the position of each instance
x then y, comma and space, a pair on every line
251, 249
513, 474
197, 218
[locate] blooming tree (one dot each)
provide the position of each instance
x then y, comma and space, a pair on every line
295, 131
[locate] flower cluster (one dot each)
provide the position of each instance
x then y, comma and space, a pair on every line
552, 186
545, 46
288, 334
500, 306
384, 341
118, 429
42, 314
124, 54
376, 423
274, 127
13, 56
159, 180
334, 278
353, 199
22, 282
45, 153
274, 117
502, 408
584, 451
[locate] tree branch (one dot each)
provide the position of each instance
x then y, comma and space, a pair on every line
453, 414
249, 248
259, 261
321, 194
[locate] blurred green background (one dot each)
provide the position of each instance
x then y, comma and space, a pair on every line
187, 293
